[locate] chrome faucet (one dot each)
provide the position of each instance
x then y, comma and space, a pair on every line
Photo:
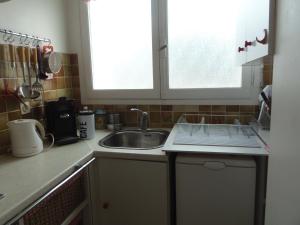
144, 120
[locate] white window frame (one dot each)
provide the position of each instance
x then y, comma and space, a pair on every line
162, 94
121, 94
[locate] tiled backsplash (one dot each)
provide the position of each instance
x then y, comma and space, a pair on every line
65, 83
166, 116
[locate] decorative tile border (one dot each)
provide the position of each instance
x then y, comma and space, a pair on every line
167, 115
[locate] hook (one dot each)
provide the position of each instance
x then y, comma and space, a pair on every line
22, 39
38, 41
11, 38
33, 42
27, 40
7, 37
49, 41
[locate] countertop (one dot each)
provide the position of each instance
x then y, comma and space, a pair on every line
263, 151
24, 180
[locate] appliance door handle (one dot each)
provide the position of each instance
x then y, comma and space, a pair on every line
214, 165
78, 169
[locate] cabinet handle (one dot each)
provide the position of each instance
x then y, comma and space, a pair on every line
105, 205
265, 38
240, 49
248, 43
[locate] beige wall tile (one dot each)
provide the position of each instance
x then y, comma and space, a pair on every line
3, 121
185, 108
155, 117
50, 95
75, 70
2, 104
205, 108
167, 108
131, 117
154, 108
247, 108
166, 117
4, 141
219, 108
233, 108
68, 82
12, 103
60, 82
15, 115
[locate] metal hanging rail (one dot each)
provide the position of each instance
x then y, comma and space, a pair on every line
9, 36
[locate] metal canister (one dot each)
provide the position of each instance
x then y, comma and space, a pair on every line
86, 120
114, 118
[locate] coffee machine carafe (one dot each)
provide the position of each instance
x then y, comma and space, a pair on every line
61, 120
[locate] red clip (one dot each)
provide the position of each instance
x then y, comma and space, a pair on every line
240, 49
248, 43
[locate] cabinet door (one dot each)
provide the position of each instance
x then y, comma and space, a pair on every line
241, 33
132, 192
258, 20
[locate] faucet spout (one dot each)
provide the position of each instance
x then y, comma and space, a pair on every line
144, 120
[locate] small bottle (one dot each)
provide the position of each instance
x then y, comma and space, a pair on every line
86, 120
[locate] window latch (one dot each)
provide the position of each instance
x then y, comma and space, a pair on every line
163, 47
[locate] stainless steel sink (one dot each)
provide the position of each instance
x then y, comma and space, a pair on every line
135, 139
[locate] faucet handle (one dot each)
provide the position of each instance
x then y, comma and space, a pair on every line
136, 109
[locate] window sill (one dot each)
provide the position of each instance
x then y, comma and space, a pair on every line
253, 101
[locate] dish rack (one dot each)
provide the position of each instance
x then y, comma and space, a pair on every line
195, 118
192, 129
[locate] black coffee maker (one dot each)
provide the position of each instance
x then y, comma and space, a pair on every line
61, 120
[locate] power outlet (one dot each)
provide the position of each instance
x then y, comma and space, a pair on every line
25, 109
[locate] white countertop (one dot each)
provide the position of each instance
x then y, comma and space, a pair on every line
24, 180
170, 147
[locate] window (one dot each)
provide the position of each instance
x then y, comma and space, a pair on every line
164, 50
202, 39
121, 36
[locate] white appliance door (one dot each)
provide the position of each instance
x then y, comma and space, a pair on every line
215, 191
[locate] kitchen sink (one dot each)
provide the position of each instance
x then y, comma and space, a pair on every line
135, 139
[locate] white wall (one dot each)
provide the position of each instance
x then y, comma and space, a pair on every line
73, 19
45, 18
283, 191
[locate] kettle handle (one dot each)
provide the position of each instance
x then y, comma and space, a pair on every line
41, 129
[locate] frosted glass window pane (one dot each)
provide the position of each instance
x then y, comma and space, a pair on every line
121, 42
202, 37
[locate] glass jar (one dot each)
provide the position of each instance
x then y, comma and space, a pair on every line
100, 119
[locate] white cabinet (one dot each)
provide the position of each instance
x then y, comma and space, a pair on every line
254, 30
132, 192
241, 33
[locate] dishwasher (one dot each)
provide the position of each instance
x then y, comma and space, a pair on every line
215, 190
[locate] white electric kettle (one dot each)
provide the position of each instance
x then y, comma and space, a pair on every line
25, 140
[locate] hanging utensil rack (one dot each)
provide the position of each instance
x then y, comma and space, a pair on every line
10, 36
